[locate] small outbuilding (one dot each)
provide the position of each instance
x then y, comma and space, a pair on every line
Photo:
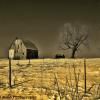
59, 56
23, 49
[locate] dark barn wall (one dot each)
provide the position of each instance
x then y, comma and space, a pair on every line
31, 54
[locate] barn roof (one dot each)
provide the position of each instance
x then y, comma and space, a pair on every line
29, 45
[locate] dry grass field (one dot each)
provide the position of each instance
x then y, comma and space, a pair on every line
50, 79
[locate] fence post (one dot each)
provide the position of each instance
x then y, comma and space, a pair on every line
11, 56
29, 61
85, 83
10, 85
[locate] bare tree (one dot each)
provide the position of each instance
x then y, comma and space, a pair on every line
73, 36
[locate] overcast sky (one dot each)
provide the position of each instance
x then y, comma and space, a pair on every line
40, 22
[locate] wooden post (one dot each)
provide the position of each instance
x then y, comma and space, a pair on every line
85, 83
29, 61
11, 56
10, 73
42, 79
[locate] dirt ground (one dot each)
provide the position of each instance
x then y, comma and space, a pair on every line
46, 79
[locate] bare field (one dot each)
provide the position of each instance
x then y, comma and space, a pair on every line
46, 79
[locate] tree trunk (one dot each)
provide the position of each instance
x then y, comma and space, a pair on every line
73, 52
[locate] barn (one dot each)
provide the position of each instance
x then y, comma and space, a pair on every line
23, 49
